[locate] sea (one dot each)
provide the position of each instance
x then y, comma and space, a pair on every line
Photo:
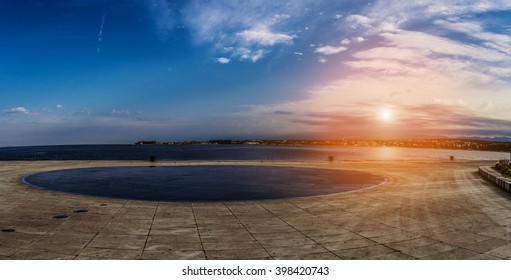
237, 152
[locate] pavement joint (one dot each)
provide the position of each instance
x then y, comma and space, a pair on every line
198, 231
150, 228
296, 229
251, 234
99, 231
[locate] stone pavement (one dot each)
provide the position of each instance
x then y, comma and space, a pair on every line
427, 210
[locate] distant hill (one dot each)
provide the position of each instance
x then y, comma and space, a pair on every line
490, 139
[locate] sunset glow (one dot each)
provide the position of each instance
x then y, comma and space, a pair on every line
386, 115
121, 71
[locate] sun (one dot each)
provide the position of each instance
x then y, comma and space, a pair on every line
386, 115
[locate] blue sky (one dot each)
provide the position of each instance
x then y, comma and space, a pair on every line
104, 71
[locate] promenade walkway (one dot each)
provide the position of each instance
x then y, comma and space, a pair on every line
426, 210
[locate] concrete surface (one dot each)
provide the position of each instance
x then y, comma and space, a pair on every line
427, 210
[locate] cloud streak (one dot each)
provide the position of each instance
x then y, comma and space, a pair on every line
261, 35
329, 50
100, 35
17, 111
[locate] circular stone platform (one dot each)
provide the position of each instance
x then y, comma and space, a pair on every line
202, 183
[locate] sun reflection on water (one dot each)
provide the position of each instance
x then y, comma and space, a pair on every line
387, 153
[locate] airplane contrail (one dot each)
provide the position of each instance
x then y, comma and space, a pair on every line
100, 35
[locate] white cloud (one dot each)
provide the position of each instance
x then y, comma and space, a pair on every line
17, 110
248, 54
439, 45
254, 55
385, 66
499, 42
223, 60
119, 113
59, 106
424, 64
261, 35
359, 21
359, 39
502, 72
466, 6
464, 27
393, 53
329, 50
322, 60
347, 41
399, 12
298, 53
481, 56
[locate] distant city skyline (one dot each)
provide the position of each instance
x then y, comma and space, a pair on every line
110, 71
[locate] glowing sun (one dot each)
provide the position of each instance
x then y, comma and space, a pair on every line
386, 115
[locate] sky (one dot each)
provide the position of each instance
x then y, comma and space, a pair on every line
111, 71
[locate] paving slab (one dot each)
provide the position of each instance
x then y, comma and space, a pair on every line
276, 251
174, 255
423, 252
27, 254
503, 252
486, 245
278, 235
393, 256
91, 253
173, 245
455, 254
311, 256
364, 253
237, 254
483, 257
349, 244
295, 242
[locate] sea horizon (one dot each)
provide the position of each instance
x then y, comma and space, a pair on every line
238, 152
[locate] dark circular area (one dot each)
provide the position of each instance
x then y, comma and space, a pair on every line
202, 183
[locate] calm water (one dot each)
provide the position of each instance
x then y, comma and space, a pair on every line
235, 152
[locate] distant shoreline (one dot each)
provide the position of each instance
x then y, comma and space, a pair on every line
445, 144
